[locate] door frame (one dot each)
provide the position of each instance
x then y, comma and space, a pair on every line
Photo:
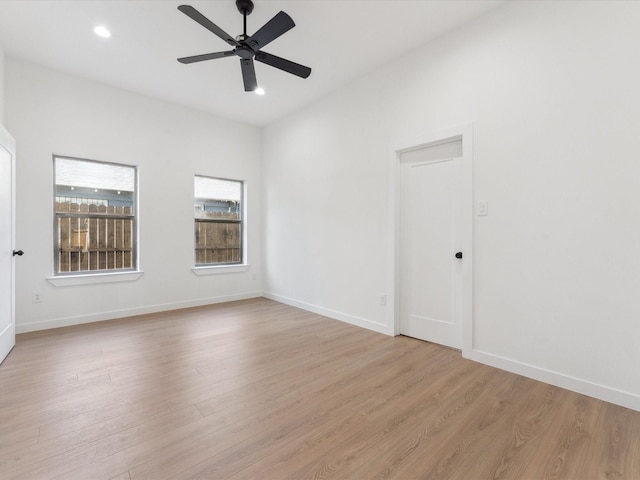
8, 142
465, 134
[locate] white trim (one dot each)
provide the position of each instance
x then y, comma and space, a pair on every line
465, 134
129, 312
343, 317
595, 390
220, 269
94, 278
432, 162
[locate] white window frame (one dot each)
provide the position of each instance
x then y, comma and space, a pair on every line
81, 277
222, 268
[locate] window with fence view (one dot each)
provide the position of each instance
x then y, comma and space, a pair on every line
218, 221
95, 214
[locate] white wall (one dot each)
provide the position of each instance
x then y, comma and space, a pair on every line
552, 91
49, 112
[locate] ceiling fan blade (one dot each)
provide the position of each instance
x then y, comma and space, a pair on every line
194, 14
283, 64
271, 30
248, 74
206, 56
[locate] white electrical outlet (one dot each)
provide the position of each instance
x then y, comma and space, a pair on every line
482, 208
37, 297
383, 300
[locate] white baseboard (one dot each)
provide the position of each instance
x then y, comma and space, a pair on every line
129, 312
601, 392
343, 317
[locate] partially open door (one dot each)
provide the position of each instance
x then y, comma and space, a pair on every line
7, 242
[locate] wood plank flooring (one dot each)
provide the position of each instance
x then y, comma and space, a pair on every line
260, 390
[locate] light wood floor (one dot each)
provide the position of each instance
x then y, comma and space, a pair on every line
257, 389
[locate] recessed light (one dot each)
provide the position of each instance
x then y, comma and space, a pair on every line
102, 31
259, 91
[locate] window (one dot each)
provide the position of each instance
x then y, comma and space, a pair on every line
95, 216
218, 221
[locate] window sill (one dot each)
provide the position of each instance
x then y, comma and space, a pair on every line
219, 269
94, 278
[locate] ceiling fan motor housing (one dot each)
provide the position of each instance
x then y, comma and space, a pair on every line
245, 7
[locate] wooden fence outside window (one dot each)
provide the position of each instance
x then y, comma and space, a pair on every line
94, 237
218, 238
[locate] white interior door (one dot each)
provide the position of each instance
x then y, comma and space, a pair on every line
7, 197
430, 274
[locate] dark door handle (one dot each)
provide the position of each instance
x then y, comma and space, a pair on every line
18, 252
459, 255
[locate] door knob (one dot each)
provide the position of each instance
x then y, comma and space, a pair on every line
459, 255
18, 252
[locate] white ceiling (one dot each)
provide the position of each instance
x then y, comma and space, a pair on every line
341, 40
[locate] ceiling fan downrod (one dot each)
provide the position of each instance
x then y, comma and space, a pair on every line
245, 7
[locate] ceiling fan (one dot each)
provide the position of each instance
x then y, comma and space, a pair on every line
248, 48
